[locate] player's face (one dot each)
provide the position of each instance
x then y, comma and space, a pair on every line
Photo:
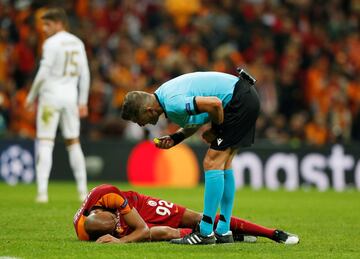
49, 27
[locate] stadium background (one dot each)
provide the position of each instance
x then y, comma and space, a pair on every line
304, 55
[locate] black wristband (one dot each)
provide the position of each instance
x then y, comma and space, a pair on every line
177, 137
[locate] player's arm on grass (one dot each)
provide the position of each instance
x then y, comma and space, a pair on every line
130, 215
134, 221
161, 233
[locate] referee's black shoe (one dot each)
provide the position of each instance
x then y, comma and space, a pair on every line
195, 238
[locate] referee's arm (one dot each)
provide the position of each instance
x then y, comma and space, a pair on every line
213, 106
210, 104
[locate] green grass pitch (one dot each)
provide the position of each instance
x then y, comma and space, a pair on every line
328, 224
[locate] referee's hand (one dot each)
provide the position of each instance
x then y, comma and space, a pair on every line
164, 142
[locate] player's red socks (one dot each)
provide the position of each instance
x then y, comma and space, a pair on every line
245, 227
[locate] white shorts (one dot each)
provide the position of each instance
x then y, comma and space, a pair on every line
48, 118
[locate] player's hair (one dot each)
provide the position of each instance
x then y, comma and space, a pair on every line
56, 14
133, 103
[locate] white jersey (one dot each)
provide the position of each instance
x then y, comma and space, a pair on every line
63, 70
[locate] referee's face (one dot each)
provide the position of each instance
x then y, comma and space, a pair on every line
147, 117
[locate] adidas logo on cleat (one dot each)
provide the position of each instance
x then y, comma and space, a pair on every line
195, 238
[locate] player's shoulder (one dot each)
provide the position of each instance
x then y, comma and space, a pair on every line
62, 38
51, 42
107, 187
74, 37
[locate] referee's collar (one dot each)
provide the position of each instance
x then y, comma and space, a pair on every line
162, 107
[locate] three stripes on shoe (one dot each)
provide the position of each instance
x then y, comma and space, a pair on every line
193, 239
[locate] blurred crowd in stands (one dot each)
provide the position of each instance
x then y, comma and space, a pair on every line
304, 54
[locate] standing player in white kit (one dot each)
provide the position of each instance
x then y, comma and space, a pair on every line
62, 84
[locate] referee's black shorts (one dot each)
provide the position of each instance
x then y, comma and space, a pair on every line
240, 115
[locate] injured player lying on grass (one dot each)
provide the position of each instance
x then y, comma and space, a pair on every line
109, 215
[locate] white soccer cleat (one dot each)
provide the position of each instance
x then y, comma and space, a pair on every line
286, 238
42, 198
292, 240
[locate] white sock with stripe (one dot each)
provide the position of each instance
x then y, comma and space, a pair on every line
77, 163
44, 150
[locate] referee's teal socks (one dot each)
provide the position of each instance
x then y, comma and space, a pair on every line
214, 187
227, 202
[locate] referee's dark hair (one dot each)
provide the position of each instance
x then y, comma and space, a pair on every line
56, 14
134, 103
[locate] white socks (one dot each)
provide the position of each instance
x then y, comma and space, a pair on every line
77, 163
44, 152
43, 166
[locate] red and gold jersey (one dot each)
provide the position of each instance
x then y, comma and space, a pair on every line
155, 212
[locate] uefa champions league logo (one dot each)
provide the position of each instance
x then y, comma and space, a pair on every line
17, 164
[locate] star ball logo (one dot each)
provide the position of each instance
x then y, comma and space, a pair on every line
17, 164
151, 166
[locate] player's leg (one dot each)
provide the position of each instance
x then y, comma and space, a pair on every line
77, 163
190, 219
44, 150
70, 126
227, 202
243, 227
47, 119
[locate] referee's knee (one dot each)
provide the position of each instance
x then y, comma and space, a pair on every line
212, 164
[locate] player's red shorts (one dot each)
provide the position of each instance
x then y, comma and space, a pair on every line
156, 212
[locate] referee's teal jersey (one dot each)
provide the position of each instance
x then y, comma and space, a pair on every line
177, 96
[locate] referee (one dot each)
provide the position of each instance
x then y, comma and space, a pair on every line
231, 105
